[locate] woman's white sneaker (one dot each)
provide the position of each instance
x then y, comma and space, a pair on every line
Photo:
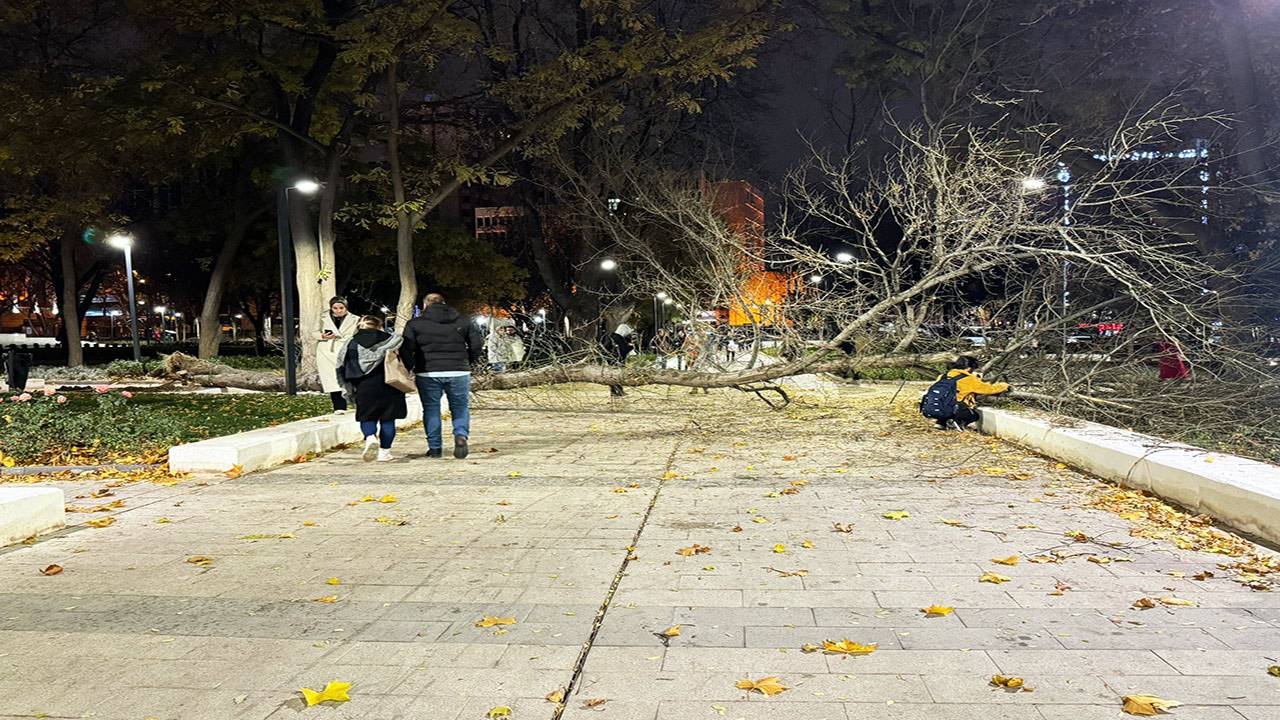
384, 455
370, 448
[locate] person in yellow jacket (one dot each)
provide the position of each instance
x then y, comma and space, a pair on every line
969, 385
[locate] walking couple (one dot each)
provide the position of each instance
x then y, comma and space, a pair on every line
438, 348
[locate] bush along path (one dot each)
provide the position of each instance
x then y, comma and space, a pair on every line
120, 427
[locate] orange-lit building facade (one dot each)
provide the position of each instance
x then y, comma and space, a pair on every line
764, 292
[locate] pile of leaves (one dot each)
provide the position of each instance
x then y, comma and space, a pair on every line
1154, 519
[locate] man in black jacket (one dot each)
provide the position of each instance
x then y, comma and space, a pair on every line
439, 347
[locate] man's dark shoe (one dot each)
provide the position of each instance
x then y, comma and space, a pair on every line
434, 452
460, 449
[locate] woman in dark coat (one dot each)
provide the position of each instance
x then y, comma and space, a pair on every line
363, 375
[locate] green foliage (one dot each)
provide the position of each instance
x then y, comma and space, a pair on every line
130, 368
110, 426
251, 362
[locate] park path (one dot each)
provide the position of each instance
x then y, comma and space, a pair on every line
574, 528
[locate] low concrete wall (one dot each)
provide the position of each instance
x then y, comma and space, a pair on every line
29, 510
265, 447
1242, 493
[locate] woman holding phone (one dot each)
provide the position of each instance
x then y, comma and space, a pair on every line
336, 327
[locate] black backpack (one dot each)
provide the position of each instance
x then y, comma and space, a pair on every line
939, 401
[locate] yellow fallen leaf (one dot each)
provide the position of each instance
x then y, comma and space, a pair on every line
514, 474
619, 490
327, 599
996, 578
1061, 466
388, 499
234, 472
759, 519
708, 567
367, 498
807, 544
101, 522
488, 621
673, 631
799, 483
767, 686
1274, 670
1011, 560
1177, 602
1099, 560
333, 581
1009, 683
200, 560
333, 692
1144, 603
51, 570
1028, 527
309, 523
163, 520
955, 523
779, 548
896, 515
937, 610
501, 711
694, 549
848, 647
555, 696
1146, 704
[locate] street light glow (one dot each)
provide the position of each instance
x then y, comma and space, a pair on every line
1033, 184
120, 241
608, 264
159, 308
844, 257
662, 296
815, 279
307, 186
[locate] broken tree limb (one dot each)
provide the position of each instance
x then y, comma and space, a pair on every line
201, 372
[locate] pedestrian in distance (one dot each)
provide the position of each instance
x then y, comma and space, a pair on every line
505, 348
440, 346
617, 346
362, 375
953, 399
335, 329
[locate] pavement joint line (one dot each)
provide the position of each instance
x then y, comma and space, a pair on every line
587, 645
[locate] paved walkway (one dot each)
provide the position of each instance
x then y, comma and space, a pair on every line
206, 599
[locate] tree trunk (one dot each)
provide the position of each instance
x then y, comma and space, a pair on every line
207, 374
324, 223
405, 220
68, 301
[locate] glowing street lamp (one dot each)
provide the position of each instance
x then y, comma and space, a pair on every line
844, 257
1033, 184
815, 279
121, 241
608, 264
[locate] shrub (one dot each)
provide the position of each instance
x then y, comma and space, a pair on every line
251, 362
37, 426
130, 368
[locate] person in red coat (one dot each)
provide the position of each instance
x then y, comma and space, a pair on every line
1173, 366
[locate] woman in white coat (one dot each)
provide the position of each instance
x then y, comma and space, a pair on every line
336, 327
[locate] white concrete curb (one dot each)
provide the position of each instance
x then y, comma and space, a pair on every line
27, 511
1242, 493
256, 449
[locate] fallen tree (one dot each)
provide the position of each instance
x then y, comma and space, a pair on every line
210, 374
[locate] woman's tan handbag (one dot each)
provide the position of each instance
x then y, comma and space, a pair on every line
398, 376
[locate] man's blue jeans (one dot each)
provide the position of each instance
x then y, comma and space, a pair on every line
458, 389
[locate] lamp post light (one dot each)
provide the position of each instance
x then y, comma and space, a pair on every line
124, 242
844, 257
608, 264
815, 279
1032, 184
306, 187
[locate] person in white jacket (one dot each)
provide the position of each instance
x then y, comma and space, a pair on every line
505, 348
336, 328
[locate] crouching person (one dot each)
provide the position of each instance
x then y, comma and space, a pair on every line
363, 373
953, 399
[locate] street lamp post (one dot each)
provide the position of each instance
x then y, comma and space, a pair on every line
125, 243
306, 187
